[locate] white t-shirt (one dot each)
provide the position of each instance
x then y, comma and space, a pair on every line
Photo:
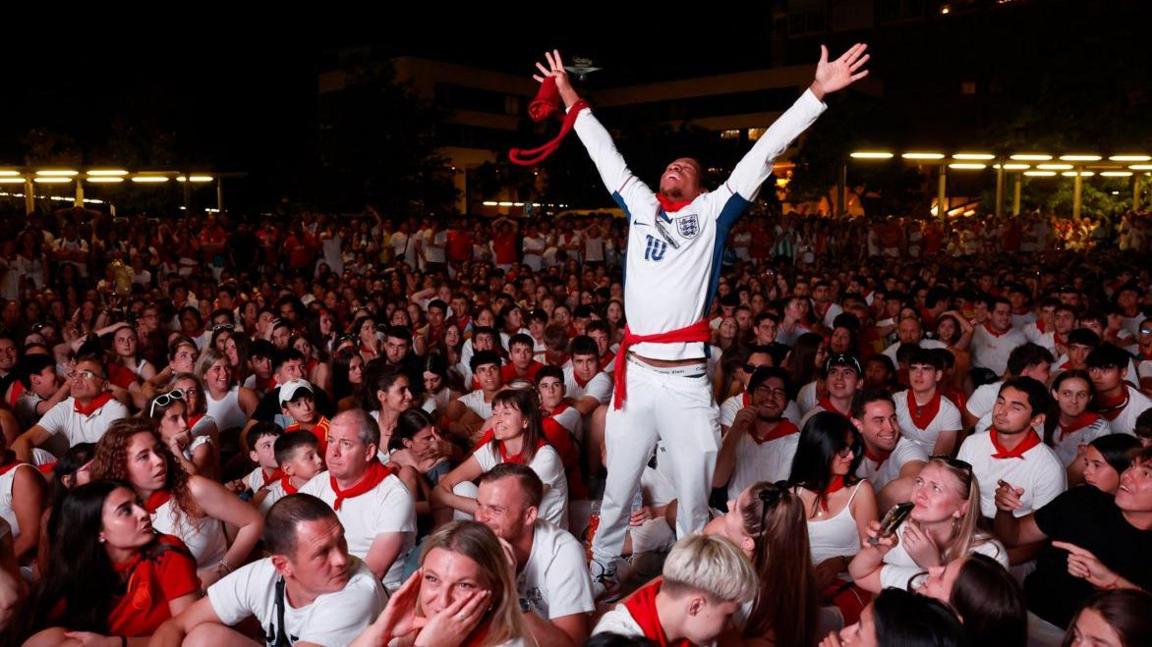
884, 473
1039, 472
991, 351
767, 461
386, 508
474, 400
982, 400
7, 512
947, 419
899, 567
1124, 423
548, 466
331, 619
806, 397
1068, 446
599, 387
554, 580
78, 428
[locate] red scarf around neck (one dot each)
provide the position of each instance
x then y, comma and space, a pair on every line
286, 483
373, 476
826, 402
923, 416
876, 457
157, 499
9, 463
1110, 408
1079, 422
93, 406
641, 605
834, 486
669, 205
1030, 441
988, 329
783, 428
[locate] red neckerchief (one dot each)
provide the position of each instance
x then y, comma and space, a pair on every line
286, 483
606, 359
192, 420
17, 390
783, 428
1110, 408
834, 486
876, 457
1066, 366
669, 205
157, 499
1030, 441
1040, 326
375, 474
581, 383
1081, 421
1060, 339
641, 605
520, 458
828, 406
701, 331
560, 408
927, 413
93, 406
269, 479
989, 330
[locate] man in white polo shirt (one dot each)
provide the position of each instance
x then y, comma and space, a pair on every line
310, 591
376, 509
1117, 401
82, 418
1012, 452
1028, 360
891, 462
551, 573
761, 443
926, 416
993, 341
585, 384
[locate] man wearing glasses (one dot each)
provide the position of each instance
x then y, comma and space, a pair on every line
82, 418
761, 442
755, 357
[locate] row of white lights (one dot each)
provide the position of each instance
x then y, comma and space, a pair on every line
972, 162
102, 176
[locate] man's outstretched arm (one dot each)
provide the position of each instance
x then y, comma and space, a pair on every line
831, 76
614, 172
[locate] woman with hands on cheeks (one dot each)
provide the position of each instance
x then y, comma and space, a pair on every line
463, 595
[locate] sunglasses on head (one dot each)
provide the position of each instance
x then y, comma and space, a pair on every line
165, 399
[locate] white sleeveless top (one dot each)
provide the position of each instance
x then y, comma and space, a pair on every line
226, 411
835, 536
6, 510
204, 537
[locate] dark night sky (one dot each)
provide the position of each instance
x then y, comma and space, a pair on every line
239, 92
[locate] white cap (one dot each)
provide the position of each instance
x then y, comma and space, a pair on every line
291, 389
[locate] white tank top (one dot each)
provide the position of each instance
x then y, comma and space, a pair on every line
204, 537
836, 535
6, 510
226, 411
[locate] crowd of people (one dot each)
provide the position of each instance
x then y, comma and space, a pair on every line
363, 431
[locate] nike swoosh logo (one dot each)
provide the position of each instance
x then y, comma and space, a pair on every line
642, 224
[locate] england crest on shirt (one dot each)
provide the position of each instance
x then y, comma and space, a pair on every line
688, 226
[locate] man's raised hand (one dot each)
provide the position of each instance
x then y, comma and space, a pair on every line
839, 74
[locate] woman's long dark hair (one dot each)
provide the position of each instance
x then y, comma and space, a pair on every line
823, 437
910, 620
990, 602
526, 402
341, 387
79, 583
